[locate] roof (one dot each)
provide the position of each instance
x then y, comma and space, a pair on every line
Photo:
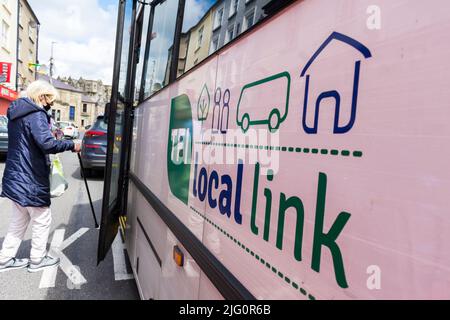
339, 37
59, 84
31, 11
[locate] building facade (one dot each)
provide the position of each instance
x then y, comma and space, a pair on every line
81, 101
8, 38
95, 90
223, 21
232, 17
68, 106
199, 41
89, 111
19, 37
28, 37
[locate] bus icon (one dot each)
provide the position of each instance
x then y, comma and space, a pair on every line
264, 101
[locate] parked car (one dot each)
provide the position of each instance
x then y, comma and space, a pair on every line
94, 144
56, 131
3, 135
69, 128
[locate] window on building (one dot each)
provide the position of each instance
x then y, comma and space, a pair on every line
30, 59
197, 33
233, 7
200, 37
218, 18
214, 45
82, 122
72, 113
249, 20
161, 46
20, 13
20, 49
5, 32
84, 107
30, 31
230, 34
58, 115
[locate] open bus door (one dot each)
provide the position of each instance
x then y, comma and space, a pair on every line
119, 114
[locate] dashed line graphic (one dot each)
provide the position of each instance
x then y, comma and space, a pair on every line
317, 151
276, 271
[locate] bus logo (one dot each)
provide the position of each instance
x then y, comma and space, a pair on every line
179, 150
256, 106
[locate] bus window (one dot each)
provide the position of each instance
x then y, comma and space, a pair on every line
125, 50
161, 44
209, 25
143, 23
117, 143
195, 39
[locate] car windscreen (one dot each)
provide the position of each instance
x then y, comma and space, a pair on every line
63, 125
100, 124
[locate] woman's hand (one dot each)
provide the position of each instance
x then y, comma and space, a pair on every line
77, 147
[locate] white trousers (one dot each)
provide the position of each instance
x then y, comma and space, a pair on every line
41, 219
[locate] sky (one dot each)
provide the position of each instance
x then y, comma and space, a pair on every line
84, 32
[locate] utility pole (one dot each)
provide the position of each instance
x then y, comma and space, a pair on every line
52, 63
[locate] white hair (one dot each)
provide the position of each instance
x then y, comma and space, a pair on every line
40, 88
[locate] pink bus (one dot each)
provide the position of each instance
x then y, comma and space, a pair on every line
281, 149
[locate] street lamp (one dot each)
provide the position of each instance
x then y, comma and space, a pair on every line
52, 63
35, 25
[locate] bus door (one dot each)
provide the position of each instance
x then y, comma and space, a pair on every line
120, 116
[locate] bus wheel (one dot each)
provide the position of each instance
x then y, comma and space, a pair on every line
245, 123
274, 120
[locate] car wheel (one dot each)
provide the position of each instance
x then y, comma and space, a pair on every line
87, 173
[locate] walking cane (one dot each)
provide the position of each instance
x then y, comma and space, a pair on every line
88, 192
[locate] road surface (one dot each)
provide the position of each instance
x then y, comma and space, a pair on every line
73, 231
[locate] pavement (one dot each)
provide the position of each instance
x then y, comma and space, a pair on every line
73, 238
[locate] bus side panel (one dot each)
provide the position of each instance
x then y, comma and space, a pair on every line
151, 143
207, 290
131, 225
357, 203
178, 282
131, 222
148, 270
165, 135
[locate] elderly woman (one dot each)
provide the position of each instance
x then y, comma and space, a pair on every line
26, 176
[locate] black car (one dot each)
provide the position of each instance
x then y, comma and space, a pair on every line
93, 154
3, 135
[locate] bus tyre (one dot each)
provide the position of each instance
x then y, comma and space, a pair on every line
274, 120
245, 123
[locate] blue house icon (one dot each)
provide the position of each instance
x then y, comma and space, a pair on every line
333, 93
